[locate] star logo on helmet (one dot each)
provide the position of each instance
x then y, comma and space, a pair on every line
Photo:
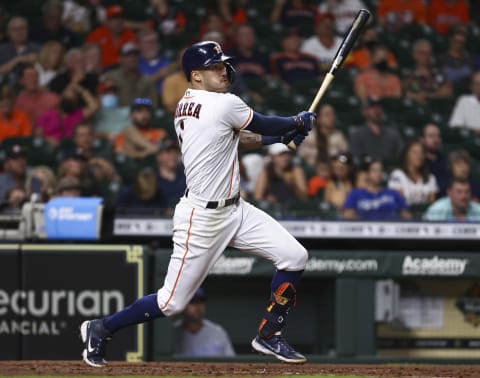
218, 49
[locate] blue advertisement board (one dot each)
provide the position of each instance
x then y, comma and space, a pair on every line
73, 218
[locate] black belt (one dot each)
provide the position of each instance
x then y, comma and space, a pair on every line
214, 204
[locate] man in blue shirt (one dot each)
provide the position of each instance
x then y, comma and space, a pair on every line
150, 63
375, 202
456, 206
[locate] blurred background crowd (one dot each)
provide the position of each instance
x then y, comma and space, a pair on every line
89, 87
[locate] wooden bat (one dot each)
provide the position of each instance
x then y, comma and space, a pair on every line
345, 47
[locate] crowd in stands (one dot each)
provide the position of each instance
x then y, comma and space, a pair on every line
88, 91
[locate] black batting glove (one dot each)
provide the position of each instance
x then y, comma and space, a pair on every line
305, 121
297, 137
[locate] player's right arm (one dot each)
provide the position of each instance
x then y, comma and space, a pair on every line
278, 126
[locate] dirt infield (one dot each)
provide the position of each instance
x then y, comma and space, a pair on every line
209, 369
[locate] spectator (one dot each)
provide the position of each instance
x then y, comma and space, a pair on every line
456, 62
425, 81
98, 160
361, 56
281, 181
378, 80
83, 138
435, 157
412, 179
318, 182
233, 12
151, 64
50, 61
79, 15
140, 139
74, 73
59, 122
75, 164
13, 122
460, 166
341, 180
291, 65
128, 80
174, 87
14, 170
343, 10
325, 140
166, 20
142, 194
111, 118
294, 14
112, 36
466, 112
196, 336
214, 22
443, 14
250, 62
395, 15
68, 186
13, 202
18, 50
324, 43
170, 175
93, 59
374, 138
42, 180
375, 202
457, 206
52, 29
33, 99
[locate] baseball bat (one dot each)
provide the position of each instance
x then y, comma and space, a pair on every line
345, 47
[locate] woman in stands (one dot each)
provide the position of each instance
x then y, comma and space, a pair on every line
341, 180
413, 179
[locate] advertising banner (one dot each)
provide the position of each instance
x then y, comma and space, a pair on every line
58, 288
10, 344
357, 263
73, 218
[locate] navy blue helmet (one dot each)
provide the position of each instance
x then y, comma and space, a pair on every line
204, 54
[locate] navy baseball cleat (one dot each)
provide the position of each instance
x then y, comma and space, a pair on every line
94, 337
277, 346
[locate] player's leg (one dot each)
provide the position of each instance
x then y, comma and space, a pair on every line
196, 248
263, 236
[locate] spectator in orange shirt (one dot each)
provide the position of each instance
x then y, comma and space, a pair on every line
34, 100
13, 123
140, 139
394, 15
361, 56
112, 36
377, 81
443, 14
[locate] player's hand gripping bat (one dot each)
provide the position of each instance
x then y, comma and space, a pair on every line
345, 47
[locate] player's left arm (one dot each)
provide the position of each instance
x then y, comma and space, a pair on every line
251, 141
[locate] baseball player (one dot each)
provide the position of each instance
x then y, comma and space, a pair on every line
211, 216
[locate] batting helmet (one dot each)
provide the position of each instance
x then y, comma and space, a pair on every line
204, 54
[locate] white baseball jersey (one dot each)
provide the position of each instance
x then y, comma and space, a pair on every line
207, 126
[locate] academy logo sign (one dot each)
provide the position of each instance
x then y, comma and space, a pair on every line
433, 266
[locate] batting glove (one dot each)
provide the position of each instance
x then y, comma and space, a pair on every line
296, 136
305, 121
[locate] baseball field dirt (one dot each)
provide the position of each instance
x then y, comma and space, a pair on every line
224, 369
